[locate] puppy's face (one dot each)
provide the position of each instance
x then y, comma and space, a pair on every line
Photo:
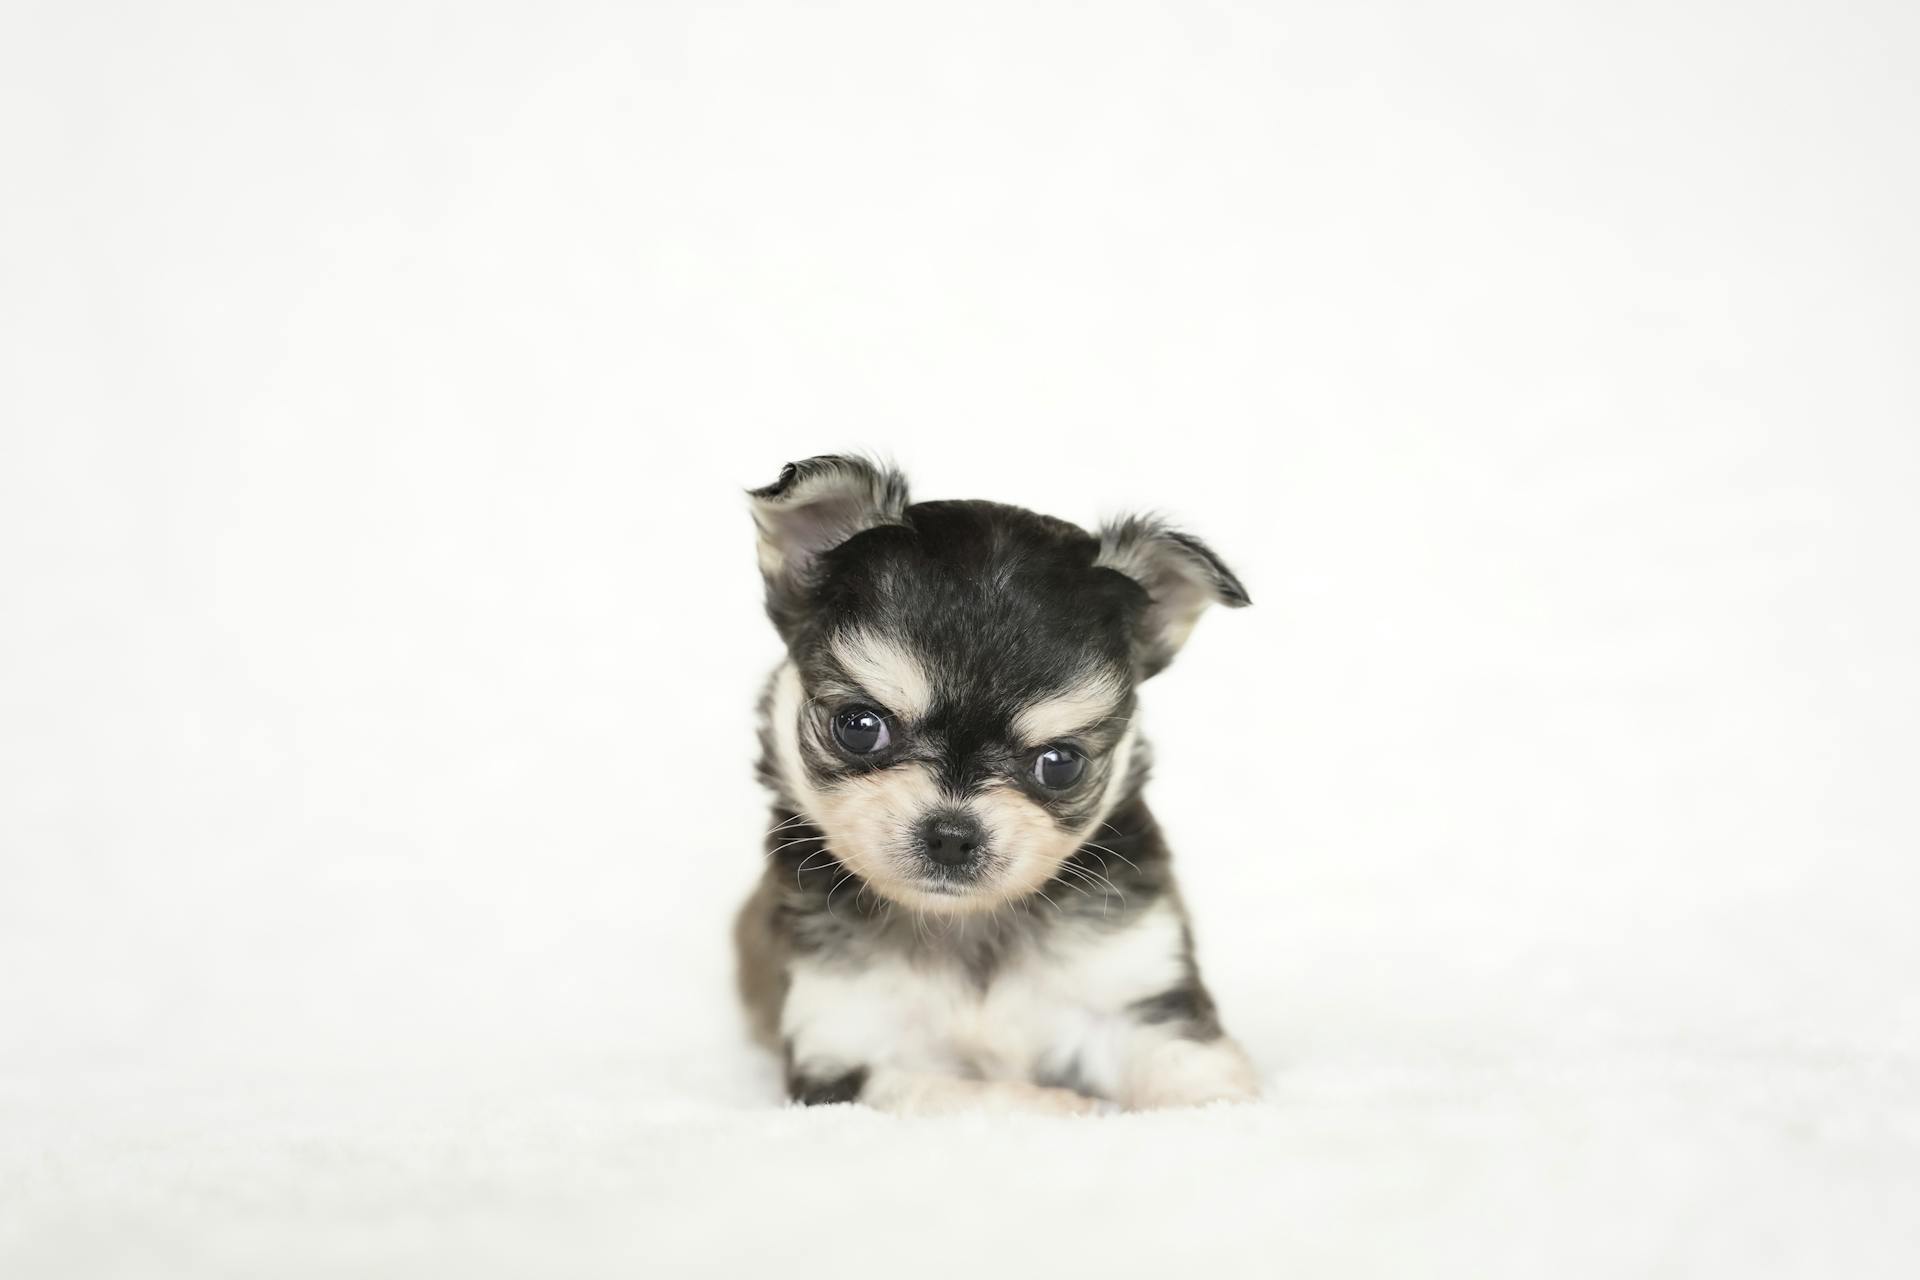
959, 709
957, 713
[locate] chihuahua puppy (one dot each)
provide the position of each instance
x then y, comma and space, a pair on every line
966, 903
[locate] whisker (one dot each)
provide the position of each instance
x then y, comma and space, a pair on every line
1104, 883
807, 860
1100, 878
1103, 874
1078, 873
1071, 885
830, 892
789, 844
1115, 852
1106, 898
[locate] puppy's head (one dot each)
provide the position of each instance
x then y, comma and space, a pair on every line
957, 713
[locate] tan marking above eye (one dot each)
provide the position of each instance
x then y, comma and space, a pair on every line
1080, 706
888, 671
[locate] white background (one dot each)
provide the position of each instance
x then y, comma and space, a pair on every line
380, 634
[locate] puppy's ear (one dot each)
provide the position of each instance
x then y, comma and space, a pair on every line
1181, 576
812, 508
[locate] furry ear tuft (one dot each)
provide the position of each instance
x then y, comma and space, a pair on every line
1181, 576
814, 506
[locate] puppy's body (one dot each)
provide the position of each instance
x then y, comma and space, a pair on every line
966, 901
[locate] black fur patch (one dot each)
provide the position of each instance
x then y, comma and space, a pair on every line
1187, 1004
809, 1092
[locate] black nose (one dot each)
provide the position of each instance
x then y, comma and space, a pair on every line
951, 838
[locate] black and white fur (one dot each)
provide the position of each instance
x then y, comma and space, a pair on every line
1052, 967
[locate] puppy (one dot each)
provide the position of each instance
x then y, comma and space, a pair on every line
966, 903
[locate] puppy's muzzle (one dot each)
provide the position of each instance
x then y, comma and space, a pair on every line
952, 839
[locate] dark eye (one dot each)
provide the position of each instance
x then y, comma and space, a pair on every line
1058, 768
861, 730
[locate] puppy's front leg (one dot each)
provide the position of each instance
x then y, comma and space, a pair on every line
1177, 1056
1171, 1070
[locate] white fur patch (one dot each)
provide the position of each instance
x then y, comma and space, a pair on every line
1043, 1015
887, 670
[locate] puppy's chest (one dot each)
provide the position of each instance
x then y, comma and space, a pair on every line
1054, 1011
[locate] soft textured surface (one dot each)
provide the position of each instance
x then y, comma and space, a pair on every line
1459, 1141
379, 626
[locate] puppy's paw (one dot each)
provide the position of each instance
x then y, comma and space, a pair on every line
922, 1094
1040, 1097
1191, 1073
